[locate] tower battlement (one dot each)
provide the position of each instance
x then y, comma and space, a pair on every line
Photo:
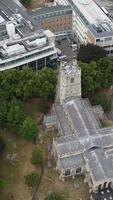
70, 81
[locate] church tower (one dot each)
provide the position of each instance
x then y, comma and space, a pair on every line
70, 81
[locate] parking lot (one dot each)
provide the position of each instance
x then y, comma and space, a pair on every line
65, 46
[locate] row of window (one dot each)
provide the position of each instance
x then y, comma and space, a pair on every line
26, 57
68, 172
79, 12
53, 14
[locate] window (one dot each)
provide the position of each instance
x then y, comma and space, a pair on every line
91, 181
72, 80
78, 170
67, 172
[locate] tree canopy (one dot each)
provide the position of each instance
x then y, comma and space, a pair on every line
29, 129
96, 75
37, 156
15, 115
105, 66
26, 3
26, 83
90, 77
31, 179
104, 101
46, 83
90, 52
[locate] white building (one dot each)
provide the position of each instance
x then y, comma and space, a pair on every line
22, 41
91, 24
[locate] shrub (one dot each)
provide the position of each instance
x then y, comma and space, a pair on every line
31, 179
2, 183
53, 196
37, 155
104, 101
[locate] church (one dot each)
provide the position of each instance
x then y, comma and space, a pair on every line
82, 147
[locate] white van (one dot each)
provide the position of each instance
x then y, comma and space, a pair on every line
62, 58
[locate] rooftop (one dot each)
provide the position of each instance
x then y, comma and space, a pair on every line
49, 9
86, 140
91, 11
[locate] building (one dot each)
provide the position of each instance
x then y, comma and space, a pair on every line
22, 40
91, 24
57, 19
83, 146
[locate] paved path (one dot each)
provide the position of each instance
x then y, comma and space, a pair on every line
36, 195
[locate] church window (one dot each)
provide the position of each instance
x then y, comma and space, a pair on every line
67, 172
78, 170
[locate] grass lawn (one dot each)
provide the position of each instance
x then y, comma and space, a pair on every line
14, 171
107, 123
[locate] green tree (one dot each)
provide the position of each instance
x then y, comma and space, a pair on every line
29, 129
46, 83
27, 84
105, 65
3, 112
90, 77
90, 52
53, 196
31, 179
104, 101
37, 156
25, 2
9, 82
15, 116
2, 183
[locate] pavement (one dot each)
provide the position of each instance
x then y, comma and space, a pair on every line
66, 49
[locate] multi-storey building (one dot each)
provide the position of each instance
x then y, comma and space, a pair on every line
90, 23
22, 40
57, 18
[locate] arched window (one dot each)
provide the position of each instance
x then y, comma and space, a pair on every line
78, 170
67, 172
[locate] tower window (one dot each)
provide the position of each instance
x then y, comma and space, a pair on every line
72, 80
78, 170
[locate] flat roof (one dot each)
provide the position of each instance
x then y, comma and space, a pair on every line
49, 9
91, 11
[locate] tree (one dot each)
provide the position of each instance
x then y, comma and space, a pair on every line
2, 183
53, 196
37, 156
104, 101
29, 129
105, 65
90, 77
15, 115
27, 84
25, 2
3, 112
90, 52
2, 145
46, 82
31, 179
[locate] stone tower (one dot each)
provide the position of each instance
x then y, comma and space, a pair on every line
70, 81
